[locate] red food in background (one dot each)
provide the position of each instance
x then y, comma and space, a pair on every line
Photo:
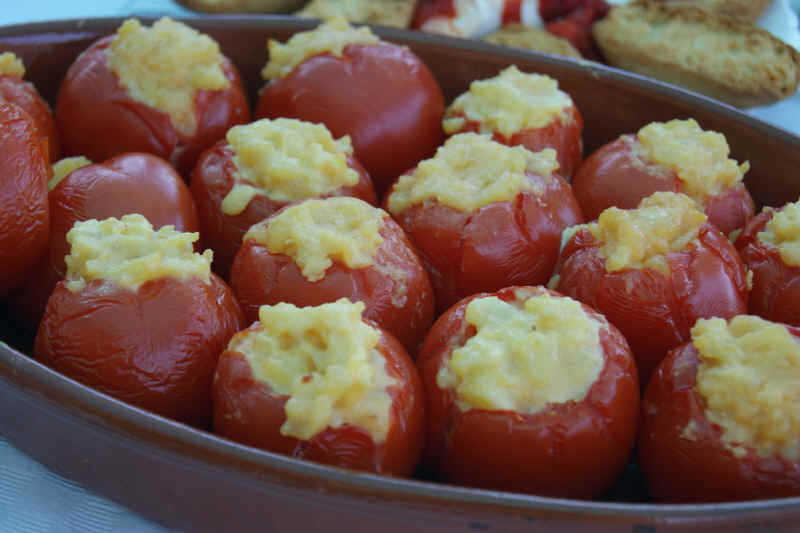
22, 93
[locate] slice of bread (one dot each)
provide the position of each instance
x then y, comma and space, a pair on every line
395, 13
746, 10
537, 39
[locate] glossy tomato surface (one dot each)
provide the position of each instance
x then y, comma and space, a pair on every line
574, 449
383, 96
24, 213
395, 289
501, 244
213, 179
22, 93
776, 285
155, 347
129, 183
99, 119
247, 411
615, 176
653, 309
681, 453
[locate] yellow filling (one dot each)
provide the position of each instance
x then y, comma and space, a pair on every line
524, 355
783, 232
64, 168
11, 65
471, 171
331, 37
748, 374
315, 232
128, 252
287, 160
164, 65
699, 158
325, 359
508, 103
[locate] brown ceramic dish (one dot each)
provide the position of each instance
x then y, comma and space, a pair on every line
192, 480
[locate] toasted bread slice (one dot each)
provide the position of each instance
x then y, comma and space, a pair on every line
745, 10
537, 39
243, 6
730, 60
395, 13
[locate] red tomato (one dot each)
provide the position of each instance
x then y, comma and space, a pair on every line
573, 449
247, 411
18, 91
99, 119
382, 95
24, 214
155, 347
211, 182
501, 244
395, 289
700, 468
614, 176
653, 310
128, 183
776, 286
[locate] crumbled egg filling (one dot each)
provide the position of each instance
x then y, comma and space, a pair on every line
471, 171
164, 65
524, 355
325, 359
314, 233
640, 238
11, 65
748, 374
287, 160
508, 103
64, 168
699, 158
128, 252
330, 37
783, 233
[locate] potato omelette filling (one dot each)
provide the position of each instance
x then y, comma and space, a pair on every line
314, 233
326, 360
524, 355
508, 103
748, 374
64, 167
330, 37
11, 65
128, 252
783, 233
471, 171
164, 65
287, 160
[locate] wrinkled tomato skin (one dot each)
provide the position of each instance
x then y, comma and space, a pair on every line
574, 449
24, 213
776, 285
212, 180
404, 306
247, 411
683, 465
562, 135
614, 176
99, 119
655, 311
22, 93
129, 183
155, 347
501, 244
382, 96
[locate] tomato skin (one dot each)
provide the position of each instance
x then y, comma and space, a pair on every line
382, 95
404, 308
24, 213
22, 93
501, 244
129, 183
776, 286
700, 469
654, 311
99, 119
246, 411
155, 347
212, 180
574, 449
614, 176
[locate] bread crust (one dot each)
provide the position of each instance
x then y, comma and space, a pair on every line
522, 36
396, 13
